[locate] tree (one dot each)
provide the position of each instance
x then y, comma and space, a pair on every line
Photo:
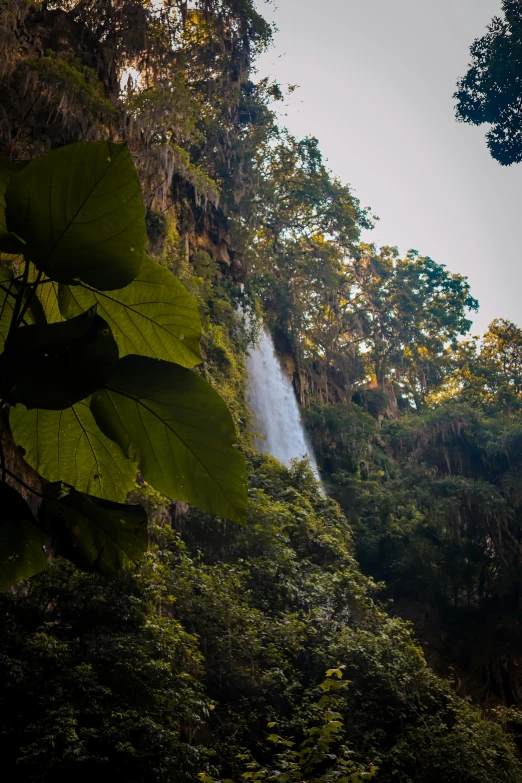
488, 372
98, 342
306, 223
491, 90
405, 314
502, 345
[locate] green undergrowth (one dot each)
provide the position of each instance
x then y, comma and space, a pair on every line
177, 669
434, 499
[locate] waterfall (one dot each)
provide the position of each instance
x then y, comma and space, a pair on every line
274, 406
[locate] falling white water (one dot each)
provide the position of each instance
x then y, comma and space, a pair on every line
274, 406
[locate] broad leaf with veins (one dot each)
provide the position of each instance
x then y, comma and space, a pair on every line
9, 290
180, 432
46, 293
68, 445
80, 211
154, 316
55, 365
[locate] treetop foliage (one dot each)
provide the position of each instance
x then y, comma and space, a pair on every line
490, 91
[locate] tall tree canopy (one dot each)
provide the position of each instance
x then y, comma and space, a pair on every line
488, 372
408, 314
491, 90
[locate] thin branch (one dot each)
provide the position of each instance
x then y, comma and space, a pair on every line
7, 291
20, 481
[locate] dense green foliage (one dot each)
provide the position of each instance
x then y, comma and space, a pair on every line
491, 90
180, 667
350, 314
209, 658
434, 497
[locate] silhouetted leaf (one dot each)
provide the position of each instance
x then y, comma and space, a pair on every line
180, 432
68, 445
56, 365
92, 533
21, 542
80, 211
154, 316
8, 242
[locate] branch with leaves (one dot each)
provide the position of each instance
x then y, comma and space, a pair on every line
322, 756
98, 344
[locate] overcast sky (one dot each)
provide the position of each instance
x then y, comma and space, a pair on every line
376, 83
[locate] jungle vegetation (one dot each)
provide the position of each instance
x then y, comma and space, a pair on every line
371, 631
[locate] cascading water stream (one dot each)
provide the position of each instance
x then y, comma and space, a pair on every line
274, 406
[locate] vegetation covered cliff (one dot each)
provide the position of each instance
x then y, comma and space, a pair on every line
210, 658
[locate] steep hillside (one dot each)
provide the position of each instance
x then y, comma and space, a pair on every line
225, 654
179, 668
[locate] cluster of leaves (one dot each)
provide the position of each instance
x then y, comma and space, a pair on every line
409, 314
488, 372
97, 678
491, 90
178, 667
316, 751
97, 345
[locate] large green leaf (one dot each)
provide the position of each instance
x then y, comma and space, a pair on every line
154, 316
180, 432
80, 211
8, 242
22, 543
68, 445
55, 365
94, 534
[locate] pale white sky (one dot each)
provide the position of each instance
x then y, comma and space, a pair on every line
376, 82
